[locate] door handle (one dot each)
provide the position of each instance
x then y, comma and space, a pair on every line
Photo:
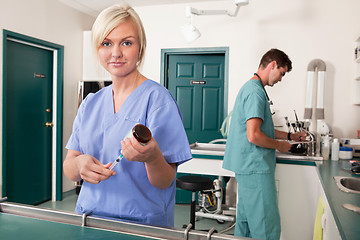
49, 124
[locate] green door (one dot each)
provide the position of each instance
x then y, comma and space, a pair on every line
197, 83
27, 140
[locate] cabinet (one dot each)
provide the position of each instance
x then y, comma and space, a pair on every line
299, 189
330, 230
92, 70
356, 87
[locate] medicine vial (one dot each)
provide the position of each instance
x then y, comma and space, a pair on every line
141, 133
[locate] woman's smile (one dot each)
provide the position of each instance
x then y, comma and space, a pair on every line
117, 64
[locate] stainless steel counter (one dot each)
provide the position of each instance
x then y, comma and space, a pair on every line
292, 156
208, 149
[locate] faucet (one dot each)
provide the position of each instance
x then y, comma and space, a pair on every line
311, 146
307, 148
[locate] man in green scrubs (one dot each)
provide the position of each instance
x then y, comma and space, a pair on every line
250, 150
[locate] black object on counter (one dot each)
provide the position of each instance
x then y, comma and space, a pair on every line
297, 148
355, 169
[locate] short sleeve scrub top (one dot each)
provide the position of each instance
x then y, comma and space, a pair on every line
241, 156
98, 131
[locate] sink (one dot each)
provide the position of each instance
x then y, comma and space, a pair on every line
208, 149
293, 156
348, 184
219, 150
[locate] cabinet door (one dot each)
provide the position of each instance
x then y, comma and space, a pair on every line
330, 230
299, 191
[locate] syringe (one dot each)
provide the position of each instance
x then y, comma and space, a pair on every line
116, 161
141, 133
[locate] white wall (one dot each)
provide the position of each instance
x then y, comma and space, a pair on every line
304, 29
51, 21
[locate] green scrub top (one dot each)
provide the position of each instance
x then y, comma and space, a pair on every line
241, 156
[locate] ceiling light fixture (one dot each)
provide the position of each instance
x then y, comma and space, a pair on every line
191, 33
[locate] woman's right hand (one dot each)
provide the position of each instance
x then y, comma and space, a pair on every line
92, 170
86, 167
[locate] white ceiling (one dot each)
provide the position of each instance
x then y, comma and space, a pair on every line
94, 7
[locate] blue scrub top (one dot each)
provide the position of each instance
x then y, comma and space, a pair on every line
98, 131
241, 156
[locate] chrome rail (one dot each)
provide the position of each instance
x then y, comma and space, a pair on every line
109, 224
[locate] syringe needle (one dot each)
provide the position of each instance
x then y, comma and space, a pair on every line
116, 162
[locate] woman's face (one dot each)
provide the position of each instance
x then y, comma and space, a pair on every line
119, 51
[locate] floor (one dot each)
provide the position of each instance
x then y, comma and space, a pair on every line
182, 214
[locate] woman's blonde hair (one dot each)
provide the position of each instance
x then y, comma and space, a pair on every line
110, 18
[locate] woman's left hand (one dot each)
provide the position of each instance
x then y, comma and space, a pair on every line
134, 151
160, 173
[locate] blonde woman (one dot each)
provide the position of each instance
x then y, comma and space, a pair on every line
141, 187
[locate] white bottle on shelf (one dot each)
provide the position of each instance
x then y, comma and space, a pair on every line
325, 147
335, 149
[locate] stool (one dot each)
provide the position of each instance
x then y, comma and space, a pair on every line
194, 184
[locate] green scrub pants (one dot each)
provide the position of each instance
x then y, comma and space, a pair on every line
257, 208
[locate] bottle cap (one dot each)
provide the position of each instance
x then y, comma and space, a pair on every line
141, 133
336, 140
346, 149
